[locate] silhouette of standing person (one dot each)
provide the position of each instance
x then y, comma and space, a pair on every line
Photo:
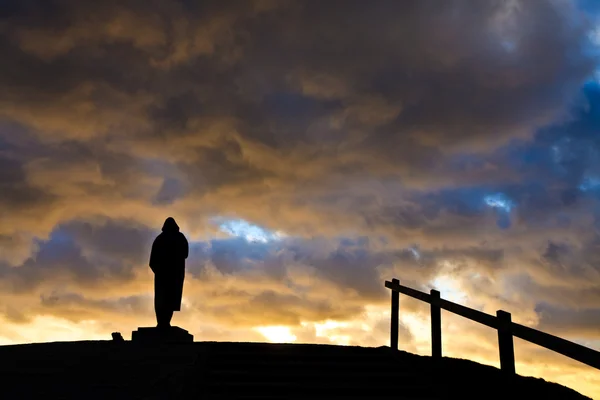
167, 260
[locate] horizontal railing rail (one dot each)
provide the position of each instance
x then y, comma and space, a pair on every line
501, 322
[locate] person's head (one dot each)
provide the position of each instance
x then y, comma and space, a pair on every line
170, 225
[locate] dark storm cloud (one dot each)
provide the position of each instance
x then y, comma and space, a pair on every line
331, 122
76, 307
92, 255
346, 265
302, 280
128, 242
15, 192
379, 66
60, 258
82, 254
336, 96
561, 321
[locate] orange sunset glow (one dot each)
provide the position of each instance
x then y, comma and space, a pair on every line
309, 151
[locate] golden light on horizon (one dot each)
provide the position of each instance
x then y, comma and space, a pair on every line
456, 339
277, 334
309, 152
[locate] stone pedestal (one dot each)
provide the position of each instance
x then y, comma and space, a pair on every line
151, 335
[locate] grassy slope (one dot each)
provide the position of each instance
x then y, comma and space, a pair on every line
108, 370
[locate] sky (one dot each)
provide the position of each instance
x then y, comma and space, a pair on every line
309, 151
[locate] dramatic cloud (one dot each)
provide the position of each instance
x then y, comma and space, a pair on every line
309, 151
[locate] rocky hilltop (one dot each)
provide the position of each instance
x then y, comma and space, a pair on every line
207, 370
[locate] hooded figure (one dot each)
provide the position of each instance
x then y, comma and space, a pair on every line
167, 261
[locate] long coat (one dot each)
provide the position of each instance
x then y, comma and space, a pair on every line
167, 260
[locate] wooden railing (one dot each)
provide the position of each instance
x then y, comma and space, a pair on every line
501, 322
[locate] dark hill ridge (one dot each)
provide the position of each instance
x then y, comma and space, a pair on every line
207, 370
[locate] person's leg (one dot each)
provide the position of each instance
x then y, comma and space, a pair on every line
168, 317
163, 317
158, 302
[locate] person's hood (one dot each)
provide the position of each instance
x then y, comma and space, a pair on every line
170, 225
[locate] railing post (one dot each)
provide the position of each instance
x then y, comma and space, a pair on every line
394, 320
505, 342
436, 325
